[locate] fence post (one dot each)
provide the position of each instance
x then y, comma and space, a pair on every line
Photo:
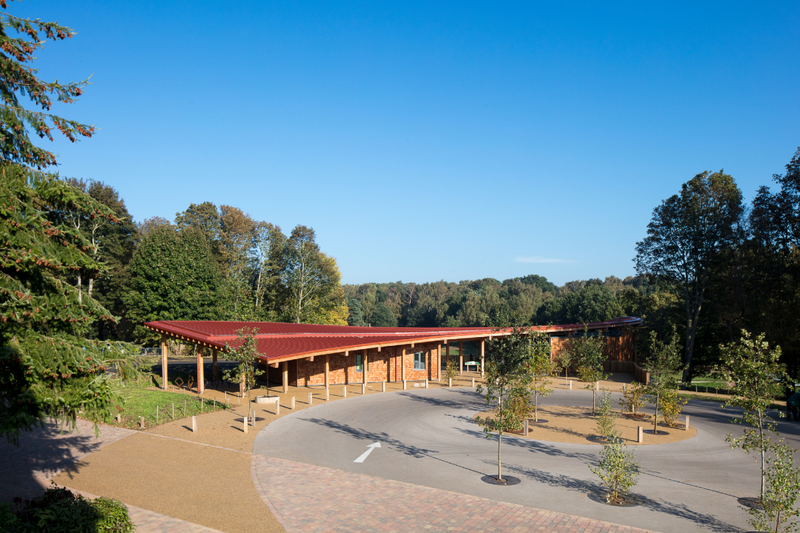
687, 423
156, 415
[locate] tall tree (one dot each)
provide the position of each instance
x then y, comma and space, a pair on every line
47, 367
312, 281
173, 276
266, 257
686, 236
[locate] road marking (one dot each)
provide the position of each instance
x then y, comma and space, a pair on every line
364, 455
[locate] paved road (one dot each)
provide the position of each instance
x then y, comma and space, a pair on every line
427, 438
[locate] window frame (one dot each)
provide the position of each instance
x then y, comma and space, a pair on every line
420, 362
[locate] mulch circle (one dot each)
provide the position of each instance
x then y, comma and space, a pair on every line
540, 421
599, 439
656, 432
635, 416
630, 500
242, 419
752, 503
506, 482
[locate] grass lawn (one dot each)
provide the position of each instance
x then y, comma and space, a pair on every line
141, 402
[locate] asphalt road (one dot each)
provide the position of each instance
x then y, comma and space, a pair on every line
427, 437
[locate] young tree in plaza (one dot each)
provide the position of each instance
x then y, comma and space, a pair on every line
587, 351
507, 361
757, 375
663, 363
540, 369
244, 352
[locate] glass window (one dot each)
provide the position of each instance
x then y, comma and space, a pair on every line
360, 363
419, 361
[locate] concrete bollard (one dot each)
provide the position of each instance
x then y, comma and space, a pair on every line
310, 398
641, 435
404, 385
449, 382
525, 428
291, 403
278, 407
426, 383
244, 424
383, 386
473, 383
344, 391
687, 423
570, 384
363, 388
327, 394
194, 424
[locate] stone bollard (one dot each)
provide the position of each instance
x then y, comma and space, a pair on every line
426, 383
449, 382
310, 398
344, 391
327, 394
383, 386
194, 424
291, 403
404, 384
687, 423
525, 428
570, 384
363, 388
641, 435
473, 383
244, 424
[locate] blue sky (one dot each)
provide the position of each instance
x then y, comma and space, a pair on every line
427, 141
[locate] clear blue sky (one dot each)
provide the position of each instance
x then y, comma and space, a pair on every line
424, 142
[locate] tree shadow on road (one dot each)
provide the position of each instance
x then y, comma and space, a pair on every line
464, 399
588, 487
534, 446
385, 440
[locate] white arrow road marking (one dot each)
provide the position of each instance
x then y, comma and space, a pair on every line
364, 455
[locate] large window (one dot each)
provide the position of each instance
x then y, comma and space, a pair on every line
419, 361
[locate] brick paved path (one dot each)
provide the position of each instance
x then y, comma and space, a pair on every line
312, 498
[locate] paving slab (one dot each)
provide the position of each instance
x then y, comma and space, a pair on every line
310, 499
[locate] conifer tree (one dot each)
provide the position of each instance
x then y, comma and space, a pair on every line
47, 367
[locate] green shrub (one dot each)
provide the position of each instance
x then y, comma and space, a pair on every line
60, 511
605, 417
617, 470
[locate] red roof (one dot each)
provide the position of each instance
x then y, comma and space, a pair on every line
277, 340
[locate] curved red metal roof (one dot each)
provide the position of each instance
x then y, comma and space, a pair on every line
278, 340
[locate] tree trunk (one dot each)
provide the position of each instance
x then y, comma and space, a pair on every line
655, 417
691, 326
499, 461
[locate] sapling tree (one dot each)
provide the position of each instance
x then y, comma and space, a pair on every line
450, 369
617, 470
671, 407
507, 357
587, 351
755, 370
663, 364
245, 353
605, 418
564, 360
777, 512
540, 369
633, 397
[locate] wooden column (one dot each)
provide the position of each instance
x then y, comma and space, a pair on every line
201, 373
364, 361
285, 376
460, 357
438, 362
447, 351
403, 363
483, 351
327, 369
214, 363
164, 361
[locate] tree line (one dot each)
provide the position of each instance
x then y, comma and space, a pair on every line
709, 267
